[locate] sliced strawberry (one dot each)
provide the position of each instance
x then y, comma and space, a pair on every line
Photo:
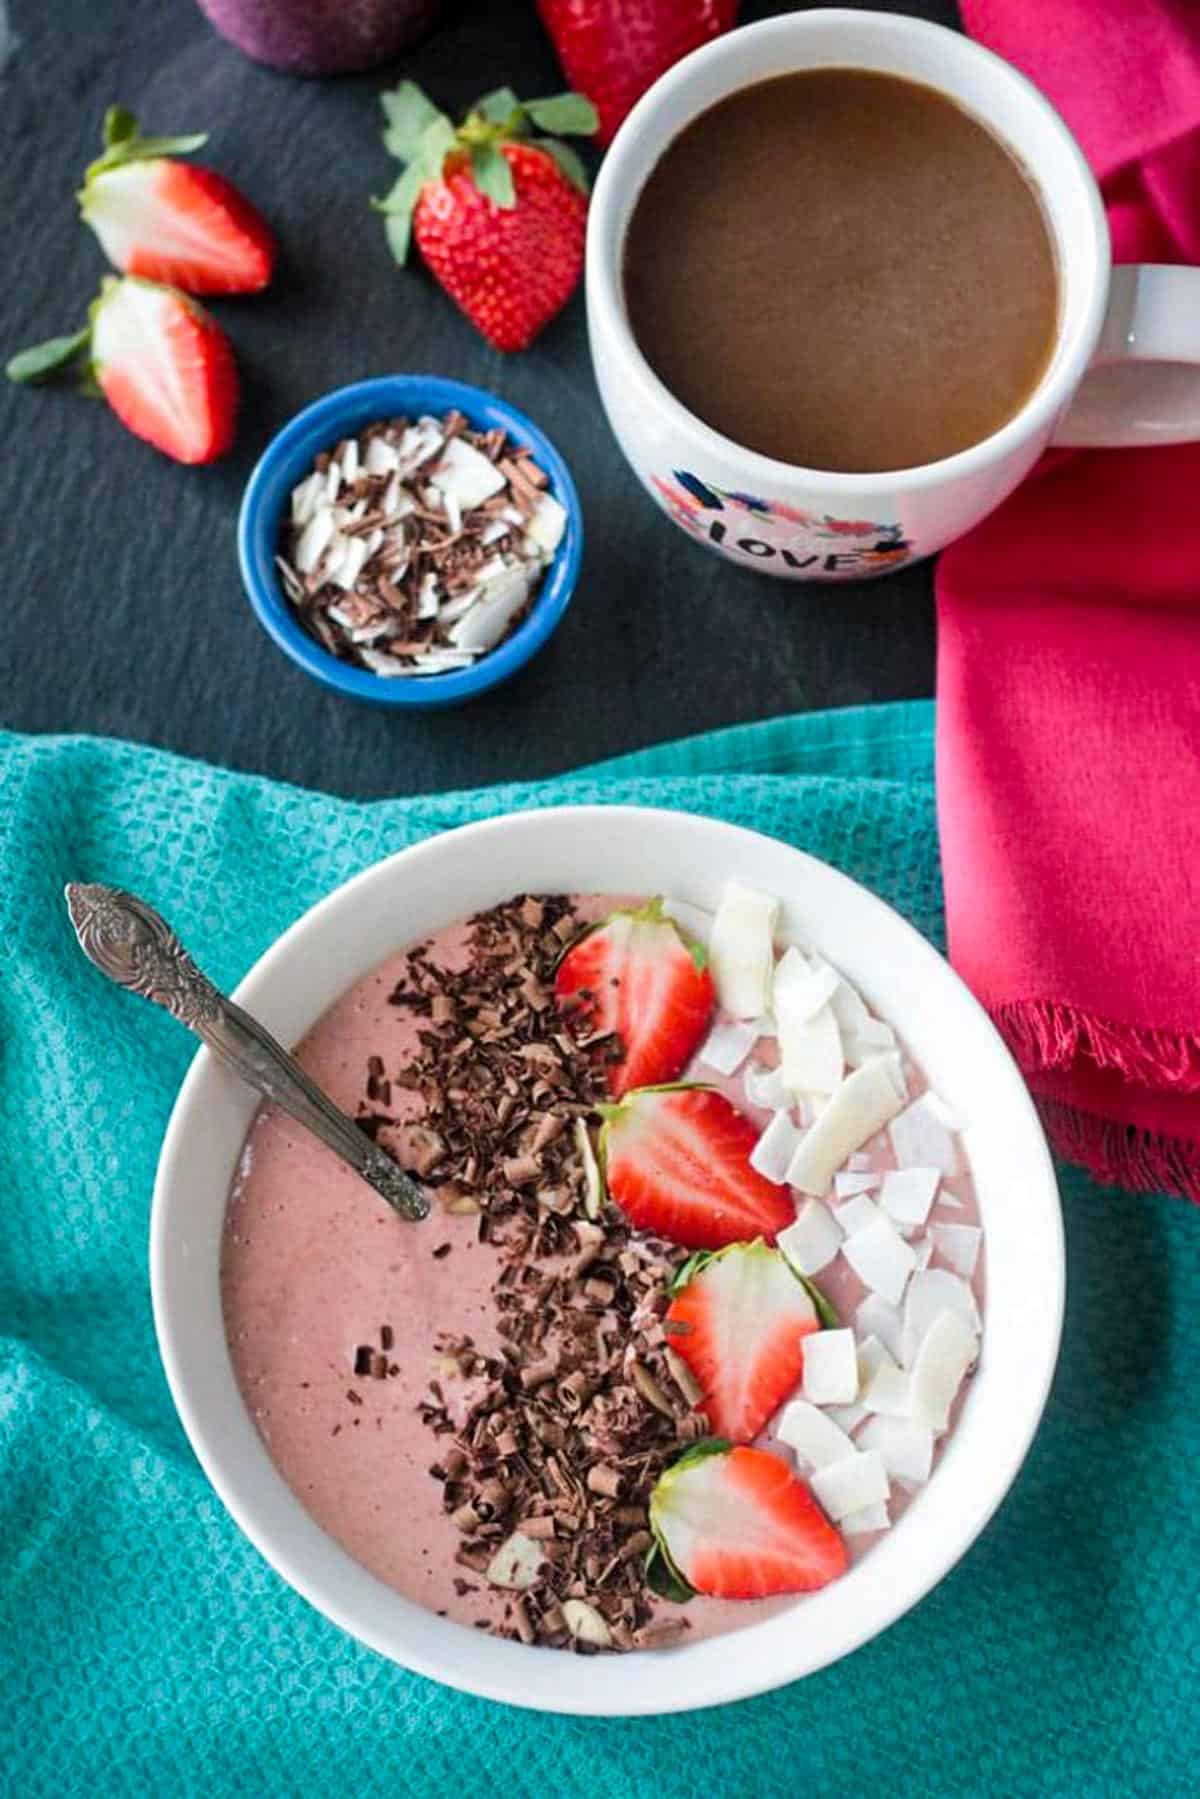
171, 221
677, 1162
738, 1524
636, 976
744, 1317
166, 368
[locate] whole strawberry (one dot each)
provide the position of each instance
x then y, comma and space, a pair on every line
613, 50
499, 216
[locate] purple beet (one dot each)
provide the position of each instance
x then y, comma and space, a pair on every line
320, 37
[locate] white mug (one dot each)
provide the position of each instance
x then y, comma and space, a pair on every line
1125, 368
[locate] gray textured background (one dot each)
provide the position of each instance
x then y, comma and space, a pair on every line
122, 610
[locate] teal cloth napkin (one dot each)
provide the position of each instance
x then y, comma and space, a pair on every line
144, 1646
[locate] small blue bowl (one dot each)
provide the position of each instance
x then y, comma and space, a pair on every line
289, 457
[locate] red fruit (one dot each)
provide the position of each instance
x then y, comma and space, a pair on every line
168, 221
677, 1162
613, 50
166, 368
510, 269
747, 1316
639, 978
738, 1524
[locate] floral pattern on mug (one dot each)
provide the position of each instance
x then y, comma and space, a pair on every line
751, 529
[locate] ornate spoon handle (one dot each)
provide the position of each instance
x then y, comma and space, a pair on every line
133, 946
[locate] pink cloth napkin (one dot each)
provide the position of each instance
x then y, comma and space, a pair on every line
1069, 671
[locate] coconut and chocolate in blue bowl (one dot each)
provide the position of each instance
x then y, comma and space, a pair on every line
410, 541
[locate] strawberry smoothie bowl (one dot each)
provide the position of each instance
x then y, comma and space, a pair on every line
739, 1298
410, 540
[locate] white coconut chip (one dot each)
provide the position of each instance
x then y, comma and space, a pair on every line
810, 1044
906, 1449
442, 662
875, 1317
958, 1244
585, 1623
380, 663
855, 1180
813, 1436
427, 596
764, 1087
593, 1185
348, 458
881, 1258
380, 457
856, 1214
493, 533
907, 1194
489, 618
546, 525
945, 1114
873, 1354
467, 473
931, 1292
307, 495
813, 1241
867, 1518
849, 1007
920, 1140
516, 1563
862, 1105
455, 608
846, 1417
350, 565
859, 1162
728, 1044
922, 1248
849, 1485
742, 950
775, 1148
419, 443
888, 1391
830, 1367
333, 482
453, 514
289, 577
813, 984
314, 541
948, 1349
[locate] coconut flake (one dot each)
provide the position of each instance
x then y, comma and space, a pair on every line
881, 1258
862, 1105
765, 1087
314, 541
333, 482
442, 662
888, 1391
876, 1317
849, 1485
920, 1140
516, 1563
593, 1185
931, 1292
380, 457
348, 458
856, 1214
775, 1148
728, 1044
454, 609
830, 1367
812, 1242
306, 497
465, 473
846, 1417
810, 1045
908, 1194
813, 1436
350, 564
948, 1349
873, 1354
957, 1244
906, 1449
742, 950
546, 525
694, 919
380, 663
855, 1180
427, 596
583, 1620
867, 1518
922, 1248
485, 624
945, 1114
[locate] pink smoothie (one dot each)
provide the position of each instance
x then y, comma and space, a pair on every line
313, 1266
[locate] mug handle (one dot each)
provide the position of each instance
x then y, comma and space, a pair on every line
1143, 386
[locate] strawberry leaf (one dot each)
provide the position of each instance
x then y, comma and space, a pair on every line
42, 362
119, 125
409, 114
492, 175
569, 114
437, 140
123, 143
571, 165
826, 1315
397, 204
499, 106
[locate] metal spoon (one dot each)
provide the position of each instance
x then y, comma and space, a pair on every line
133, 946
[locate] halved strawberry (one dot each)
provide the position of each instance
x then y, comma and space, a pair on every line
163, 364
171, 221
636, 975
677, 1162
166, 368
738, 1524
744, 1317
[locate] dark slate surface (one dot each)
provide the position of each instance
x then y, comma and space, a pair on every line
122, 609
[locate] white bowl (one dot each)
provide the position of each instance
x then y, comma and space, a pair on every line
629, 850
